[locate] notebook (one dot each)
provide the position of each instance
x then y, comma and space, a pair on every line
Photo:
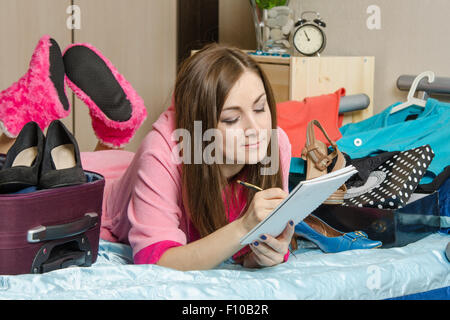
300, 202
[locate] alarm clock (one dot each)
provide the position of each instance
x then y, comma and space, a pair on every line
309, 38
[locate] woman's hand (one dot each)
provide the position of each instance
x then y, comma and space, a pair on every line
263, 203
269, 251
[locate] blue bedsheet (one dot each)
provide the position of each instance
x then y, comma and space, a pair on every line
310, 274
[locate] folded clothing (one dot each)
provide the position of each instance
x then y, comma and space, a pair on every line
365, 167
391, 184
294, 116
395, 132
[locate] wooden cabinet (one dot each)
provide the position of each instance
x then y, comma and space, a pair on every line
295, 78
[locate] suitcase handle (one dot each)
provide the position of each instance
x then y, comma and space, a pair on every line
67, 260
45, 233
64, 253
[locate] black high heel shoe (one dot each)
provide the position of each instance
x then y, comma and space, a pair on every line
61, 163
21, 167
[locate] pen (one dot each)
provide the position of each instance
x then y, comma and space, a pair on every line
249, 185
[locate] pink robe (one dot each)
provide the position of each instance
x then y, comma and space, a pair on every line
142, 203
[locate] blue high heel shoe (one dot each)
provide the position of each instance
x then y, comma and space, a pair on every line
330, 240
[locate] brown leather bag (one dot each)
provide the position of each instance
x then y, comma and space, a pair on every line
318, 160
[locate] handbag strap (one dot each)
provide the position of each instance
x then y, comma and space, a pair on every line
312, 148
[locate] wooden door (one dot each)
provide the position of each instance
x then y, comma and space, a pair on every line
139, 38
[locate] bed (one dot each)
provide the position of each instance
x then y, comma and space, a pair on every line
419, 270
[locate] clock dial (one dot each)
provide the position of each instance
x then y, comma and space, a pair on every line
308, 39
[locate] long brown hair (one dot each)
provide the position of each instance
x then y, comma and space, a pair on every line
203, 83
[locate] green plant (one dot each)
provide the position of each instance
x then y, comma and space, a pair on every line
268, 4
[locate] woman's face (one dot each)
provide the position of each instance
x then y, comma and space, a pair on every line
245, 121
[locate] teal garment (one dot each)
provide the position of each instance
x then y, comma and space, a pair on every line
393, 132
297, 165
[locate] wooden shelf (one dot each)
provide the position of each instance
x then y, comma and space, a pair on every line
296, 78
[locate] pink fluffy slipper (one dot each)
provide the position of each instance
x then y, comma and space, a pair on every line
39, 95
116, 109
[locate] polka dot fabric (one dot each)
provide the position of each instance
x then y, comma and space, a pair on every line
401, 176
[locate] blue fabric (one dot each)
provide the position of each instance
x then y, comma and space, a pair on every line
437, 294
444, 206
308, 274
297, 165
90, 176
444, 198
390, 132
25, 190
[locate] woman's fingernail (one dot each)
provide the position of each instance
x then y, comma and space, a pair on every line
291, 223
263, 237
255, 243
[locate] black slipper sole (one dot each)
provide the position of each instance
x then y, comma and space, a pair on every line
92, 75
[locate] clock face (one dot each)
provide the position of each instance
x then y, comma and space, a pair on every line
309, 39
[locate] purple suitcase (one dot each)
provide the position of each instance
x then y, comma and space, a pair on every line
45, 230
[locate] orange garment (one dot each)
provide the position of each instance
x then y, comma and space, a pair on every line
294, 116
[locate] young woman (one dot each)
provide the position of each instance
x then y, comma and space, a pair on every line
190, 215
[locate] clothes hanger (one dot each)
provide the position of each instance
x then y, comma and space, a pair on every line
411, 100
